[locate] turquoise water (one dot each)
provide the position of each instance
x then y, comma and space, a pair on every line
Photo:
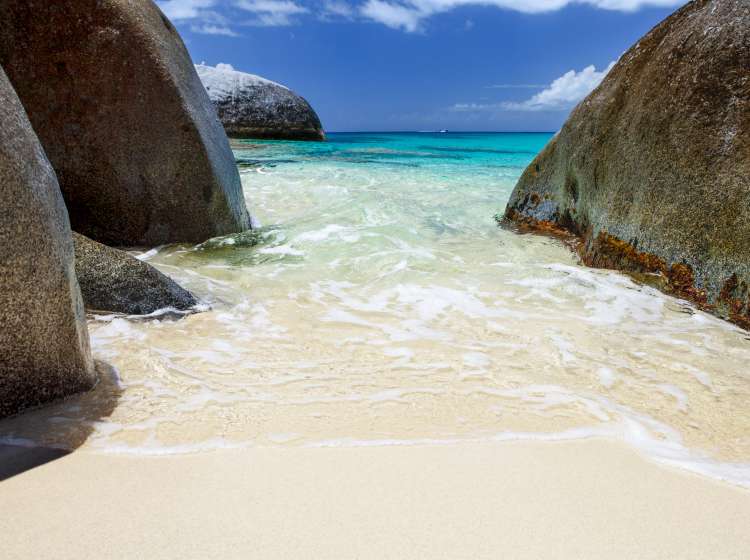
380, 303
450, 152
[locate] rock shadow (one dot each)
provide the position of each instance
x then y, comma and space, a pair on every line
41, 435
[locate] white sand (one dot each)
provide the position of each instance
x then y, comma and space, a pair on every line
588, 499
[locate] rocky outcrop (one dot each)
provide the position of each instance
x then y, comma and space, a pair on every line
44, 344
112, 93
252, 107
652, 170
113, 280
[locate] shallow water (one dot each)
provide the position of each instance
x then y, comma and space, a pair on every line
380, 303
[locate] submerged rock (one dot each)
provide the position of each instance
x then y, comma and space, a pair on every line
44, 343
113, 280
113, 95
252, 107
652, 170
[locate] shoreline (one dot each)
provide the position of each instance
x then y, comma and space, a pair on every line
583, 499
24, 451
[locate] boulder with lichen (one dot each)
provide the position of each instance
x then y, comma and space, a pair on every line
652, 169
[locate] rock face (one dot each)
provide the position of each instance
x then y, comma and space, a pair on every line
252, 107
652, 170
44, 344
112, 93
113, 280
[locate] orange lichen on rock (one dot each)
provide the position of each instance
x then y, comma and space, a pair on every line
609, 251
682, 283
735, 298
525, 224
659, 156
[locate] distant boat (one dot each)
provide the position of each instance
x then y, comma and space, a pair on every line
443, 131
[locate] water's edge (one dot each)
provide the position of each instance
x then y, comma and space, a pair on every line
380, 304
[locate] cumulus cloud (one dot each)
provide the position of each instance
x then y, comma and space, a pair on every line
215, 17
186, 9
202, 14
396, 16
219, 16
271, 13
409, 15
213, 29
562, 94
338, 8
565, 92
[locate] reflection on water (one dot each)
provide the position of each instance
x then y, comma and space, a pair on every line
379, 303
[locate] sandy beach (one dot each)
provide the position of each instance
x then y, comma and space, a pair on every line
588, 499
375, 280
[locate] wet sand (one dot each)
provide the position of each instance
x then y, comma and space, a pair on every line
583, 499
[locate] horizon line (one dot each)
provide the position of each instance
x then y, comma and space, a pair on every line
440, 132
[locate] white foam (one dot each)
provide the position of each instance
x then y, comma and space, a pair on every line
146, 255
282, 250
410, 312
700, 376
476, 359
606, 377
336, 231
668, 453
678, 394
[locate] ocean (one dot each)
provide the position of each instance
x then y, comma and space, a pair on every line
379, 303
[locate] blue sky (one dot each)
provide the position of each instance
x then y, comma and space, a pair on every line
511, 65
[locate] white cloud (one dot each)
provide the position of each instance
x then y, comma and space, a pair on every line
409, 14
476, 107
562, 94
202, 13
186, 9
218, 16
393, 15
212, 29
271, 13
338, 8
565, 92
213, 16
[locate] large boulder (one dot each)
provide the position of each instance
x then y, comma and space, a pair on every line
113, 280
252, 107
112, 93
652, 169
44, 344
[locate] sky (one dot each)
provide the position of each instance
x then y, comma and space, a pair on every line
390, 65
